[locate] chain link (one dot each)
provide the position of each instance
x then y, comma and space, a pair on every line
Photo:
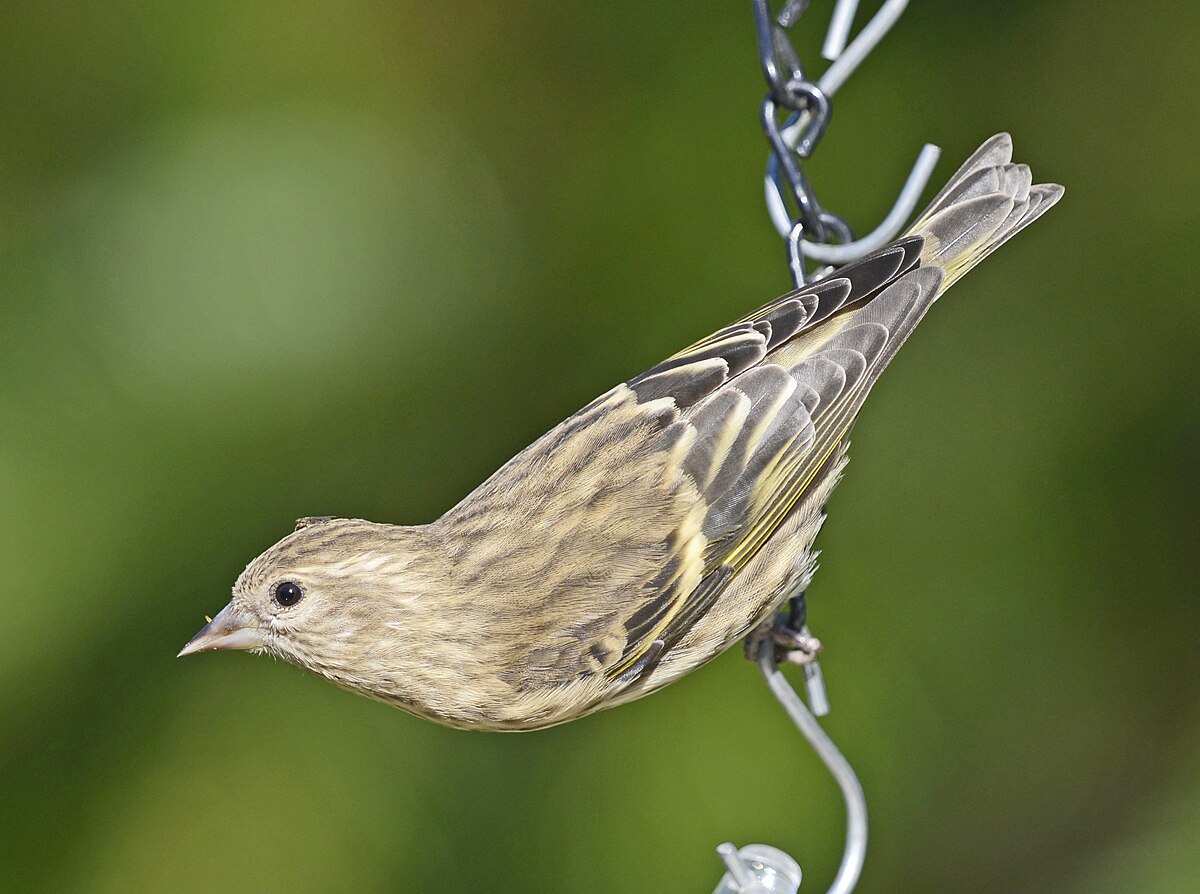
793, 101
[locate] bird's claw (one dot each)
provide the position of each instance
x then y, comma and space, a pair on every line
793, 646
798, 646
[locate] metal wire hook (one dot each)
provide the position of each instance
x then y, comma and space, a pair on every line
855, 853
902, 210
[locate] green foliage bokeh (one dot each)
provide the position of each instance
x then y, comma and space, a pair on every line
267, 261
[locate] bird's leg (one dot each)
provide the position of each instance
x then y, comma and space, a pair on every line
797, 616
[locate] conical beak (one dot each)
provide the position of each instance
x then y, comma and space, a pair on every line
230, 629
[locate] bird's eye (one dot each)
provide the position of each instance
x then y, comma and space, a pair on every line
287, 593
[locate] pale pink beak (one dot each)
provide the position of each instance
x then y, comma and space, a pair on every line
228, 630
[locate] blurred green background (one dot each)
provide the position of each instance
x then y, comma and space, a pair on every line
263, 261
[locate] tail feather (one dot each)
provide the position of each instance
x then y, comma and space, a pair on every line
987, 202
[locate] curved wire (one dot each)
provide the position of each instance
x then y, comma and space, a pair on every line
855, 853
902, 209
891, 225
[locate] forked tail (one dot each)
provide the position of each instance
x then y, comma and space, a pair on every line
986, 203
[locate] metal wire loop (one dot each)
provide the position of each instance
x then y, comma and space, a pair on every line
809, 98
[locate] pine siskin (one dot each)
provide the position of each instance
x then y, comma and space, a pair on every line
647, 533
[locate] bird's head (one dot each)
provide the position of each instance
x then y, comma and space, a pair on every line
325, 598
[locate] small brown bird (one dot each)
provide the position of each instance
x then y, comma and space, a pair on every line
632, 543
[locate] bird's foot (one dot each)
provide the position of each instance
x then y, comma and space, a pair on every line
794, 646
797, 646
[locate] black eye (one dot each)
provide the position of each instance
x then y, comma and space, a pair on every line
287, 593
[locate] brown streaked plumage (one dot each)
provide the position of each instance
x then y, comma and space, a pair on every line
640, 537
